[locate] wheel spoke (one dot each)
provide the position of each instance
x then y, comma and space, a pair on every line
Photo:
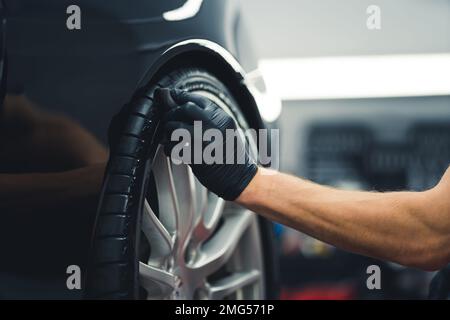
207, 222
186, 196
155, 281
165, 186
215, 209
221, 246
202, 198
226, 286
156, 234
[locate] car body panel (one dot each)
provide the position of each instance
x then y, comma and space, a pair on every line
90, 73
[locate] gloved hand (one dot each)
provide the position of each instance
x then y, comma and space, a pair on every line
225, 178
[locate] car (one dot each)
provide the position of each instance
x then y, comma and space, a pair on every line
158, 233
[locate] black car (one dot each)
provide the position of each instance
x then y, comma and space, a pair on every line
158, 233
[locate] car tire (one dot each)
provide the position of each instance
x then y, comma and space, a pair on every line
130, 187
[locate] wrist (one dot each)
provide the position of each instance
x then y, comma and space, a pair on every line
254, 190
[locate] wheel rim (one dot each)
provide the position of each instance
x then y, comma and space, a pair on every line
202, 247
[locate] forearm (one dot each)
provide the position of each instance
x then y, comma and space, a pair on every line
394, 226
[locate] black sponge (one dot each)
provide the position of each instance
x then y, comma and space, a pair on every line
163, 98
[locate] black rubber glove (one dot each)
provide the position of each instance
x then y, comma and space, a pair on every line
225, 178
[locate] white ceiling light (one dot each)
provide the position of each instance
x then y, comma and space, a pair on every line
358, 76
188, 10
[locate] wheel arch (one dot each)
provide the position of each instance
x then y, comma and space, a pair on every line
215, 59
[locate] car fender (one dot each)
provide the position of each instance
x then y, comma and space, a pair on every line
215, 59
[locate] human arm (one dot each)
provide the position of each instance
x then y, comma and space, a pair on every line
410, 228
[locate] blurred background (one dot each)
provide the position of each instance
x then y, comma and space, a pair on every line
362, 109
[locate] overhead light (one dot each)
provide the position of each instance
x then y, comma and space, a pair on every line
358, 76
188, 10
